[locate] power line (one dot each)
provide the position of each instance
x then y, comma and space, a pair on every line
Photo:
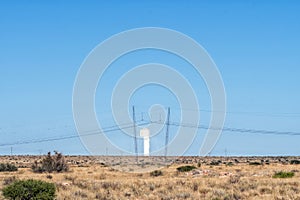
83, 134
229, 129
129, 125
283, 114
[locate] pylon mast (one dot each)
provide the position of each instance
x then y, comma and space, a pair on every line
167, 133
135, 136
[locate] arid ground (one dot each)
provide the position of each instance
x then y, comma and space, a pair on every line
213, 178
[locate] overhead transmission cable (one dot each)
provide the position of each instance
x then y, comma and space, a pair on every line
82, 134
229, 129
170, 123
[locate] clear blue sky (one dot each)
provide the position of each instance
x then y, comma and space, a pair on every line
255, 45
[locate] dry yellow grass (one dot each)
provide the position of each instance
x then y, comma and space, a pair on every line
240, 181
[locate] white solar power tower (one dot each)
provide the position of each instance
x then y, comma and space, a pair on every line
145, 133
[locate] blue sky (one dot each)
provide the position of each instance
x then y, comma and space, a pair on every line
255, 45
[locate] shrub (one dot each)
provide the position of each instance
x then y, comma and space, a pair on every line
255, 163
199, 164
186, 168
234, 179
9, 180
215, 162
49, 176
295, 162
6, 167
30, 190
156, 173
55, 163
283, 174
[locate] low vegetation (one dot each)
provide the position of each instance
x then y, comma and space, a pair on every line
282, 174
229, 164
156, 173
295, 162
255, 163
88, 178
186, 168
215, 162
29, 190
51, 163
6, 167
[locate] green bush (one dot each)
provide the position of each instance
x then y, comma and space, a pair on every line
295, 162
186, 168
6, 167
55, 163
283, 174
255, 163
156, 173
29, 190
214, 162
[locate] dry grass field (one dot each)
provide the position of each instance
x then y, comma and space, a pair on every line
213, 178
